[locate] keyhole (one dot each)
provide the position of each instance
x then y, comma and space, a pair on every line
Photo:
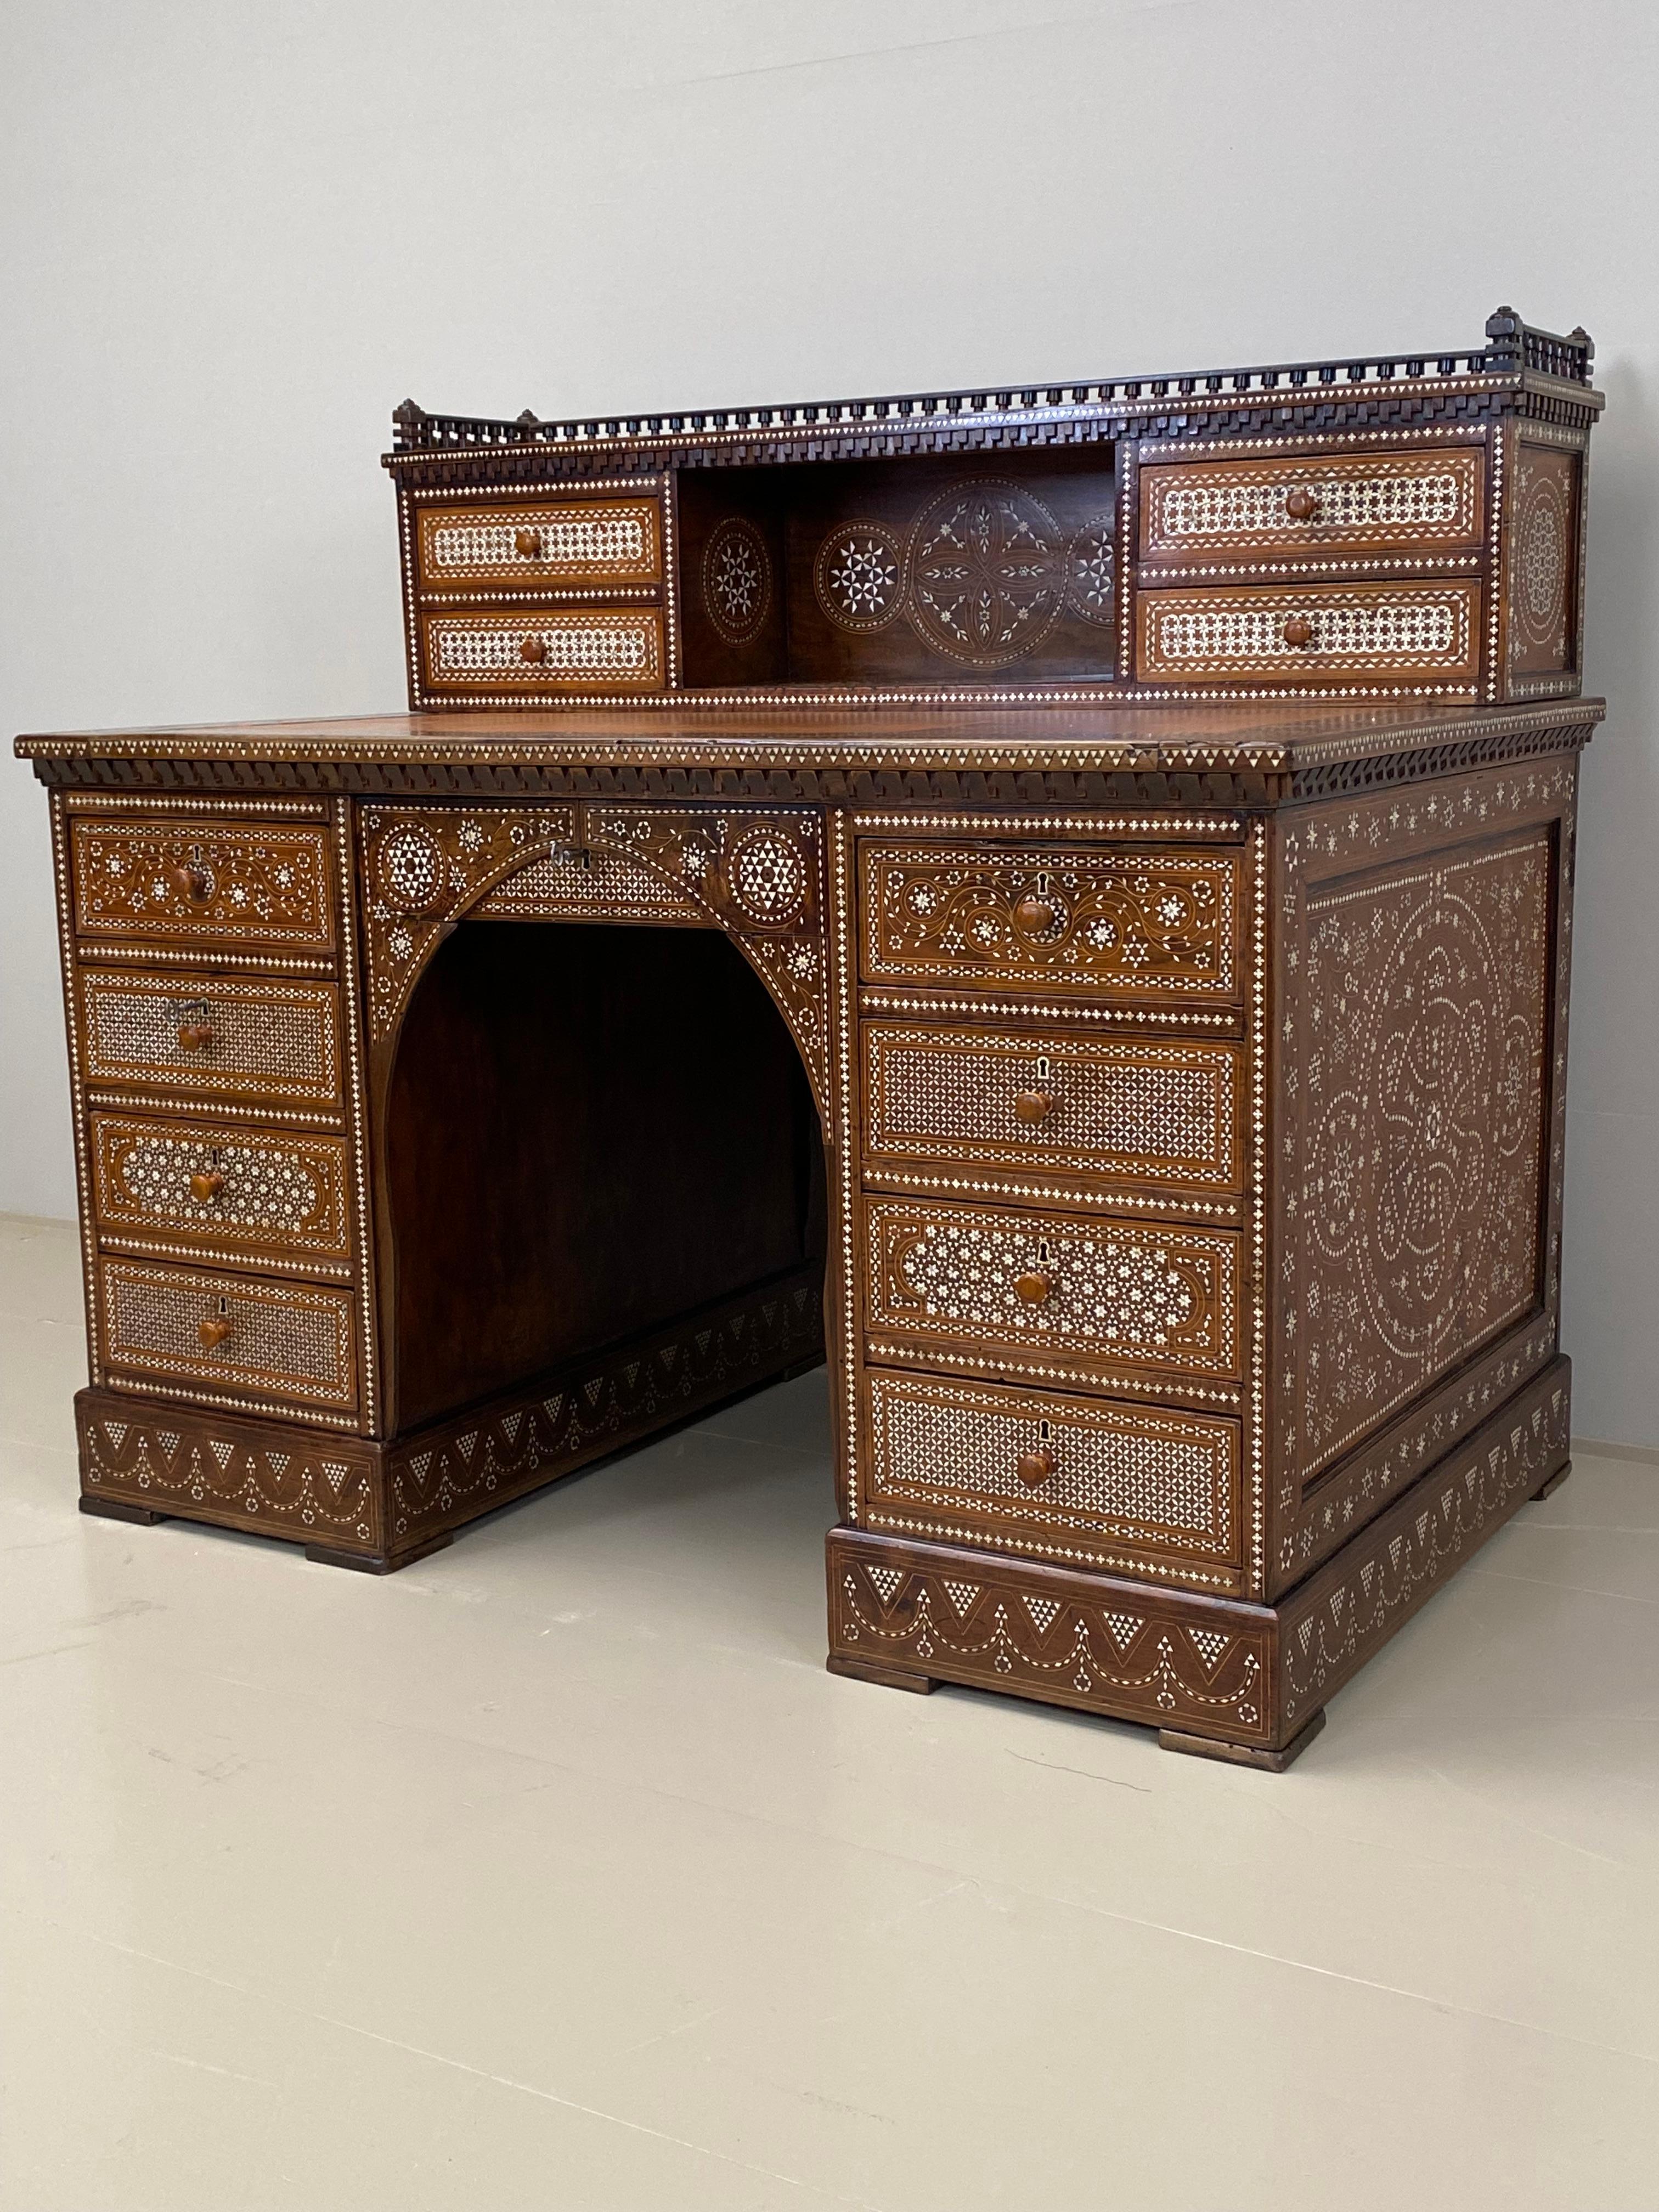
224, 1305
1043, 1432
1042, 1067
1042, 1252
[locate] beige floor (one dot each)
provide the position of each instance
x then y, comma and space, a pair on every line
554, 1872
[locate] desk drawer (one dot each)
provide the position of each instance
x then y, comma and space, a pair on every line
1063, 918
1419, 504
245, 1193
544, 650
292, 1341
210, 1036
202, 881
1014, 1290
598, 543
1077, 1480
1113, 1109
1406, 633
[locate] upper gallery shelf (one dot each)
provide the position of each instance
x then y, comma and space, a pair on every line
1400, 528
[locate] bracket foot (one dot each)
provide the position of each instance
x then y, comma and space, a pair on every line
1244, 1754
870, 1670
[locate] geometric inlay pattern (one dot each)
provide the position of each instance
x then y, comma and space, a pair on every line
1374, 504
1058, 1643
1142, 1475
524, 651
265, 1038
276, 1192
1162, 1298
1149, 1111
1421, 1172
754, 871
1072, 917
737, 580
859, 575
290, 1340
610, 541
987, 573
1380, 627
1541, 557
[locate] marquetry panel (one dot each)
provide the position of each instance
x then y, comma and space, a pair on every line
203, 880
589, 886
1136, 1111
1129, 1485
1420, 1104
1059, 918
283, 1340
277, 1478
589, 542
1004, 1289
239, 1191
1146, 1655
1320, 634
210, 1035
1422, 503
543, 649
1543, 560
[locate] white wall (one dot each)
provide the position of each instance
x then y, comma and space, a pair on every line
238, 232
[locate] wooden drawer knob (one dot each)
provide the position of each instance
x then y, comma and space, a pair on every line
1033, 1105
532, 648
528, 543
194, 1036
206, 1186
1035, 913
190, 881
213, 1331
1035, 1468
1033, 1287
1301, 504
1298, 630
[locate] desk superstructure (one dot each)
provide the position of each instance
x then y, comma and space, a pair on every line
1064, 904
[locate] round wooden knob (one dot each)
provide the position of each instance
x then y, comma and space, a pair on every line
206, 1186
1298, 630
1033, 1287
1301, 504
528, 543
213, 1332
1035, 913
194, 1036
190, 881
1035, 1468
532, 648
1033, 1105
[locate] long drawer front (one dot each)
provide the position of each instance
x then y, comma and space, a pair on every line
543, 650
1107, 1110
539, 545
1407, 633
1016, 1292
245, 1193
288, 1342
1420, 505
201, 880
1133, 925
1085, 1481
212, 1036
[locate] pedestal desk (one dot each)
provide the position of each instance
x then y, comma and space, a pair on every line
1059, 899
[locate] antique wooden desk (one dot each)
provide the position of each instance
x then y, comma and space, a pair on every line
1094, 867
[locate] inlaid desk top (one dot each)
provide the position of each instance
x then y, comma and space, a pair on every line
1273, 747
